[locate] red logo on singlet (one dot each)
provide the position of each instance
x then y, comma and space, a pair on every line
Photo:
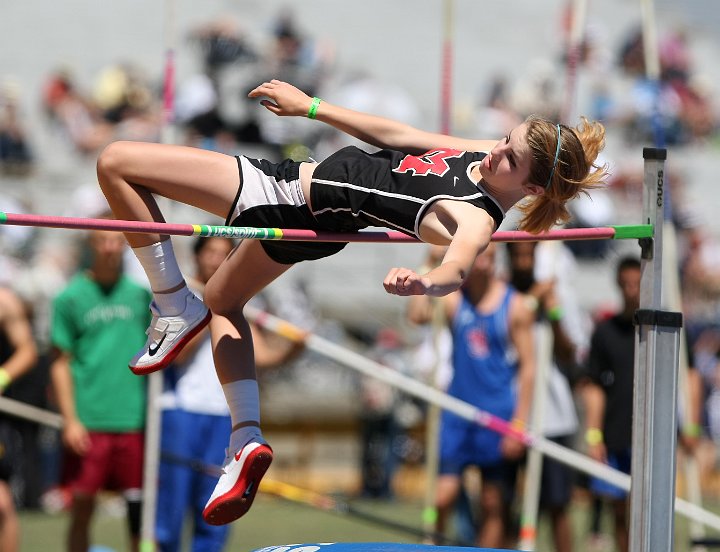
432, 162
477, 343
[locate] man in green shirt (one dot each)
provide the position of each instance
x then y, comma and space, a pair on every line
98, 322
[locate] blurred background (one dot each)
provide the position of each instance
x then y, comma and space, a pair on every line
76, 75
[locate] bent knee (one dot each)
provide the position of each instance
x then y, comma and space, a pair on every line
111, 160
216, 299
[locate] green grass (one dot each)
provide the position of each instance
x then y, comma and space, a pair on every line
273, 522
270, 522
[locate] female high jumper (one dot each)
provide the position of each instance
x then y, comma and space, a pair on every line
440, 189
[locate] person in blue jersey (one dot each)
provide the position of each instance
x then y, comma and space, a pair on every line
493, 369
442, 189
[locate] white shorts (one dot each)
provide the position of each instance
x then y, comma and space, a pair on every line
266, 184
270, 196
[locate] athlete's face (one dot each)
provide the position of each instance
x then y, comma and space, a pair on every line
507, 166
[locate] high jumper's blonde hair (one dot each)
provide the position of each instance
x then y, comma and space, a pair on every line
574, 174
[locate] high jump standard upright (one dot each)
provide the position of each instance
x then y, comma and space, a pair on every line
657, 346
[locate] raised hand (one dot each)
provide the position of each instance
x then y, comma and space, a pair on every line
284, 99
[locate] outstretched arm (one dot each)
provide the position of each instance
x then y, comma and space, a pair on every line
471, 230
284, 99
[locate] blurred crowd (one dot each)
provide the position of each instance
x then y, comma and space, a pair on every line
211, 111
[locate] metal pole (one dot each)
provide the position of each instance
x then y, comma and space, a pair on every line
652, 247
153, 420
447, 67
533, 474
151, 461
432, 429
577, 32
657, 344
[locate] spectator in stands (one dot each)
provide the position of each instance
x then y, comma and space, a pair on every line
379, 426
18, 355
16, 157
492, 357
608, 392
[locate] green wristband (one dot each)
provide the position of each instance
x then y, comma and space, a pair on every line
555, 314
312, 112
429, 515
5, 378
692, 430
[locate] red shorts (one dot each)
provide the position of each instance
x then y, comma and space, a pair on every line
113, 462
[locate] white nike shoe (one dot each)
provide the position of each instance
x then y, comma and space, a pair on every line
167, 335
236, 489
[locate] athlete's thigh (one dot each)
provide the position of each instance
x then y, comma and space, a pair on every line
205, 179
245, 272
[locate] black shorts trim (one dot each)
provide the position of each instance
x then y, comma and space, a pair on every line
279, 215
288, 216
237, 195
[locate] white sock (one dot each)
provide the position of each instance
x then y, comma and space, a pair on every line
158, 261
243, 400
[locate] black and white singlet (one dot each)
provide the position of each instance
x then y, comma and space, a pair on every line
353, 189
